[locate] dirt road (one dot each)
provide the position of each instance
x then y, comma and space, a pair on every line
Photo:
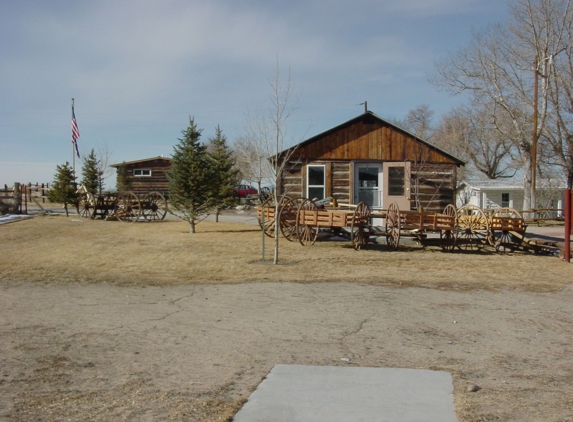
101, 352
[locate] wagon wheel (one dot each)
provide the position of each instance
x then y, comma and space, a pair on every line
506, 241
307, 233
98, 207
268, 226
287, 220
127, 207
472, 227
448, 236
155, 206
393, 226
360, 219
85, 206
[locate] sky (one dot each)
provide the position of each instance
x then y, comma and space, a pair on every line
139, 69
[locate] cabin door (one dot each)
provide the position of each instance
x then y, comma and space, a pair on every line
368, 185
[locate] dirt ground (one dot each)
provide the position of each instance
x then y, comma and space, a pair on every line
127, 344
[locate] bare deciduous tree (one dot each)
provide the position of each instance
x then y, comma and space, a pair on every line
470, 132
419, 122
267, 136
250, 160
104, 156
498, 68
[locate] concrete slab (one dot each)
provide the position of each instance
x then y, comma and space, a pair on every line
298, 393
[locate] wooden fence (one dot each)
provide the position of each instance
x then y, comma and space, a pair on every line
16, 199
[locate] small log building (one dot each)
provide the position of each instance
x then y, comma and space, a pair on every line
372, 160
147, 175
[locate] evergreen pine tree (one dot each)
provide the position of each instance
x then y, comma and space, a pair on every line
224, 173
190, 178
91, 174
63, 187
123, 182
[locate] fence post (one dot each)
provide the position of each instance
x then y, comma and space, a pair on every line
17, 197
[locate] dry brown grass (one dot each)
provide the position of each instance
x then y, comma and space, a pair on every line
56, 248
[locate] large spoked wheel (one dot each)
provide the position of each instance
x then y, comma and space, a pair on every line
287, 221
393, 226
267, 218
85, 205
155, 207
359, 227
127, 207
503, 220
448, 236
472, 228
306, 226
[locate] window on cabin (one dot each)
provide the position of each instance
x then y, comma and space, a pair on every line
505, 200
315, 182
396, 181
142, 172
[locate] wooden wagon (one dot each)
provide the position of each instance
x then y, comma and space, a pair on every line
503, 229
417, 224
124, 206
310, 219
302, 219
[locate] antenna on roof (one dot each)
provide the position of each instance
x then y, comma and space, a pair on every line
365, 104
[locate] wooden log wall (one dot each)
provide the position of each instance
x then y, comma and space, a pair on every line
432, 185
145, 184
337, 179
340, 176
292, 185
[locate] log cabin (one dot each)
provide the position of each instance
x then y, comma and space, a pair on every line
370, 159
147, 175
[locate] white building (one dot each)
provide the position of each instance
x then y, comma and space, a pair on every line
502, 193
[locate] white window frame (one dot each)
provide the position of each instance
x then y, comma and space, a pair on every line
142, 172
309, 186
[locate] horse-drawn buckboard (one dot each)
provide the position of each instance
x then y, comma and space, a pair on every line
468, 228
302, 220
125, 206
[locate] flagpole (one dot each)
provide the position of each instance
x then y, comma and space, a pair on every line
73, 146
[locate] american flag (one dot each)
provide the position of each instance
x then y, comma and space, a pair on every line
75, 132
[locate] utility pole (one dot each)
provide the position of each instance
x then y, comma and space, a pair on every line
532, 199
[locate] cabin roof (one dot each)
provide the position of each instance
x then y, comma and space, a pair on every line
369, 115
140, 161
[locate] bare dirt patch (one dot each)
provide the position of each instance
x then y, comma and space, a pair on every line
110, 321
